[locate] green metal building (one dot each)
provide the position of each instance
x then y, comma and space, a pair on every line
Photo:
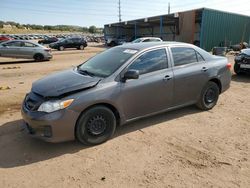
204, 27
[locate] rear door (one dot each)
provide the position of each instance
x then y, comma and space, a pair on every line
190, 74
70, 43
28, 49
153, 91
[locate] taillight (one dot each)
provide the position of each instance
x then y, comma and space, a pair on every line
229, 65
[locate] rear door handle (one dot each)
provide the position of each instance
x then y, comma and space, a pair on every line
204, 69
167, 77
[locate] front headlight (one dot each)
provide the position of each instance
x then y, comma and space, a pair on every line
51, 106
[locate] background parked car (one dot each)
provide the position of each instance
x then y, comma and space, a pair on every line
242, 61
48, 40
4, 38
25, 49
221, 51
147, 39
79, 43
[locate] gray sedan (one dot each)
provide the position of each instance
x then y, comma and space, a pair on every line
121, 85
25, 49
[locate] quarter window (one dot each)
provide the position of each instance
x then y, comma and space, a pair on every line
183, 56
151, 61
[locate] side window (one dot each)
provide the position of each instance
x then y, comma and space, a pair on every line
151, 61
146, 40
13, 44
69, 41
27, 44
199, 57
183, 56
155, 40
76, 39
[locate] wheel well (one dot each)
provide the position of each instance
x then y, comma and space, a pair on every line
109, 106
217, 81
37, 55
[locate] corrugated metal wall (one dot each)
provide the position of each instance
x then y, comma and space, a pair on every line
223, 27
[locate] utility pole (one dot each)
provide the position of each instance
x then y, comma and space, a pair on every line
168, 7
119, 11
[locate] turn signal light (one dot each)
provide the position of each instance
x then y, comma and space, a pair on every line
229, 65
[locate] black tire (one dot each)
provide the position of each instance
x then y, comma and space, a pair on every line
112, 44
237, 68
38, 57
209, 96
61, 48
95, 126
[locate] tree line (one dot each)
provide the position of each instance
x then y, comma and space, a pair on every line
91, 29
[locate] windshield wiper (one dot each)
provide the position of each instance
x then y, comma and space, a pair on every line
86, 72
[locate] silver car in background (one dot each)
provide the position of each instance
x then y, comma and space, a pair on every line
25, 49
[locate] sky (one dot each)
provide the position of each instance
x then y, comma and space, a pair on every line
100, 12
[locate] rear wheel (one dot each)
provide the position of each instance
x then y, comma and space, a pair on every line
81, 47
209, 96
237, 68
112, 44
95, 126
38, 57
61, 48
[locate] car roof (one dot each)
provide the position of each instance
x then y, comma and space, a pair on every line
149, 38
22, 41
149, 45
145, 45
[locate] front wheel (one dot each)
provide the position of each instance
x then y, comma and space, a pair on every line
209, 96
95, 126
237, 68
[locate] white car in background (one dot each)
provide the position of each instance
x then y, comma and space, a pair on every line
147, 39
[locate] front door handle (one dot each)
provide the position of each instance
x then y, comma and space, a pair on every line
167, 77
204, 69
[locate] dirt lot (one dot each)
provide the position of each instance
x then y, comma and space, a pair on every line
183, 148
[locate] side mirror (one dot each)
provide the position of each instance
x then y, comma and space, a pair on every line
131, 74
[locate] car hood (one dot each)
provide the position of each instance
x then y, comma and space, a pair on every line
63, 83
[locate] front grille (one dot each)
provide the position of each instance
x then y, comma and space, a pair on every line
246, 60
33, 101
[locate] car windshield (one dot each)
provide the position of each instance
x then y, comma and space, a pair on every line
107, 62
136, 40
246, 51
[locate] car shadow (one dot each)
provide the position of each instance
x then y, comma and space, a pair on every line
245, 78
17, 62
18, 149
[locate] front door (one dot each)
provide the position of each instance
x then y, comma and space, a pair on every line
11, 49
153, 90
